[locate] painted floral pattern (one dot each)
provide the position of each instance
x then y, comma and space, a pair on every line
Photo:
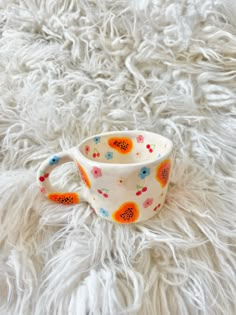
96, 172
54, 160
87, 149
43, 190
104, 212
144, 172
148, 202
97, 139
140, 139
109, 155
144, 182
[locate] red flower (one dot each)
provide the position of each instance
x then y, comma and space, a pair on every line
140, 139
148, 202
43, 191
96, 172
87, 149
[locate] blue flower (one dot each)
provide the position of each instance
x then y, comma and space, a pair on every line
104, 212
54, 160
109, 155
96, 139
144, 172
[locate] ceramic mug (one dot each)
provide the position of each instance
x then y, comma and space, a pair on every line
125, 174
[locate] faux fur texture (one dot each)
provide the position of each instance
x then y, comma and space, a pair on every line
70, 69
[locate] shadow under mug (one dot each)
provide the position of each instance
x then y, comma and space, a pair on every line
124, 174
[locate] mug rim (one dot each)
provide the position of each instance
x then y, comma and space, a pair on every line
123, 165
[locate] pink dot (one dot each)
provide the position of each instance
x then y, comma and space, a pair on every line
42, 190
105, 195
99, 191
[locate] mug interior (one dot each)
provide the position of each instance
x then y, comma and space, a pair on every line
125, 147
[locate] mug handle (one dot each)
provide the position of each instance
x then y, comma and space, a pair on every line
43, 175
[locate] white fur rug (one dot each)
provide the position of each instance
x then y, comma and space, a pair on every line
70, 69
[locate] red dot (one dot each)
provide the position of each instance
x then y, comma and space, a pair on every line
138, 193
144, 189
98, 154
150, 150
94, 155
148, 146
157, 207
99, 191
105, 195
46, 175
41, 178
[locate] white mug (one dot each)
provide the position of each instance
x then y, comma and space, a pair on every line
124, 174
